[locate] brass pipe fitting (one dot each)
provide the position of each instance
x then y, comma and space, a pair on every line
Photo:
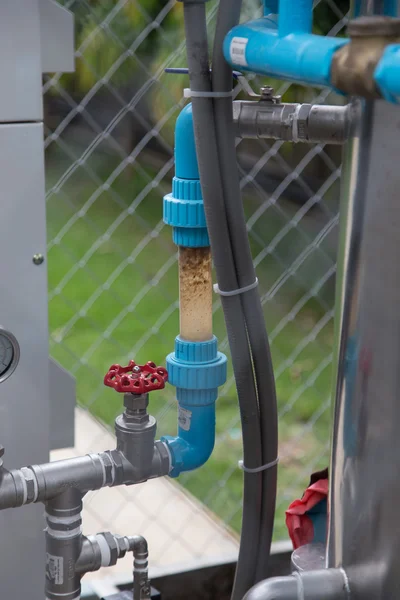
353, 65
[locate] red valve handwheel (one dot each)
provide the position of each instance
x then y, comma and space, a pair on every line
136, 379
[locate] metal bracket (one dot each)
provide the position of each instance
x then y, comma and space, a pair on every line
354, 65
240, 78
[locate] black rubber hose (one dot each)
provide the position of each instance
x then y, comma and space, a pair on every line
228, 17
206, 146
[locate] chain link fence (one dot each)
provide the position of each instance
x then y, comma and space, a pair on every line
113, 287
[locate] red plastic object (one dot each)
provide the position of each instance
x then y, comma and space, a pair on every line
136, 379
299, 524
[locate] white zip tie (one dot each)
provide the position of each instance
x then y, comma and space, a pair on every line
295, 124
188, 93
242, 290
258, 469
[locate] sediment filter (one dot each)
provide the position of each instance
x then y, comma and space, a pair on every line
195, 294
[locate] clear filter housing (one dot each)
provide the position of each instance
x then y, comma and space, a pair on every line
195, 294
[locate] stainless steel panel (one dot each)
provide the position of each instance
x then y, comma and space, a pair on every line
365, 484
62, 407
24, 396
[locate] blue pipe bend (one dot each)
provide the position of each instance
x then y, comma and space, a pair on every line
195, 440
197, 369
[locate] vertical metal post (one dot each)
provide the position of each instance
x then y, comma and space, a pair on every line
24, 396
365, 485
25, 48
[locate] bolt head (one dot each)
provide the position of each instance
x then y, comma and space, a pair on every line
38, 259
136, 369
267, 92
268, 95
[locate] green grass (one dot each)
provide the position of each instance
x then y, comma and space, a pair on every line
107, 309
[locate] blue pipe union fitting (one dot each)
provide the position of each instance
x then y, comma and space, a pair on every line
197, 369
184, 211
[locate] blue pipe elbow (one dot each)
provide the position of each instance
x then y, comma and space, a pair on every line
195, 440
197, 369
257, 47
184, 208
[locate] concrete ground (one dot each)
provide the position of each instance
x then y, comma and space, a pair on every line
181, 532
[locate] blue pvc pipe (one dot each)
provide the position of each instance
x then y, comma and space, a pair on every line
387, 74
197, 370
305, 58
391, 8
186, 166
270, 7
196, 438
183, 208
295, 16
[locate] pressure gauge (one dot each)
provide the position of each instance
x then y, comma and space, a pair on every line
9, 354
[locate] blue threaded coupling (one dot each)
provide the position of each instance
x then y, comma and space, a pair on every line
196, 369
184, 211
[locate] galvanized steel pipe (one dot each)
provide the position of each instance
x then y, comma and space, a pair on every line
308, 123
326, 584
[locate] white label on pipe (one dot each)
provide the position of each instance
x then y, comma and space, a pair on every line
55, 569
238, 51
184, 418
